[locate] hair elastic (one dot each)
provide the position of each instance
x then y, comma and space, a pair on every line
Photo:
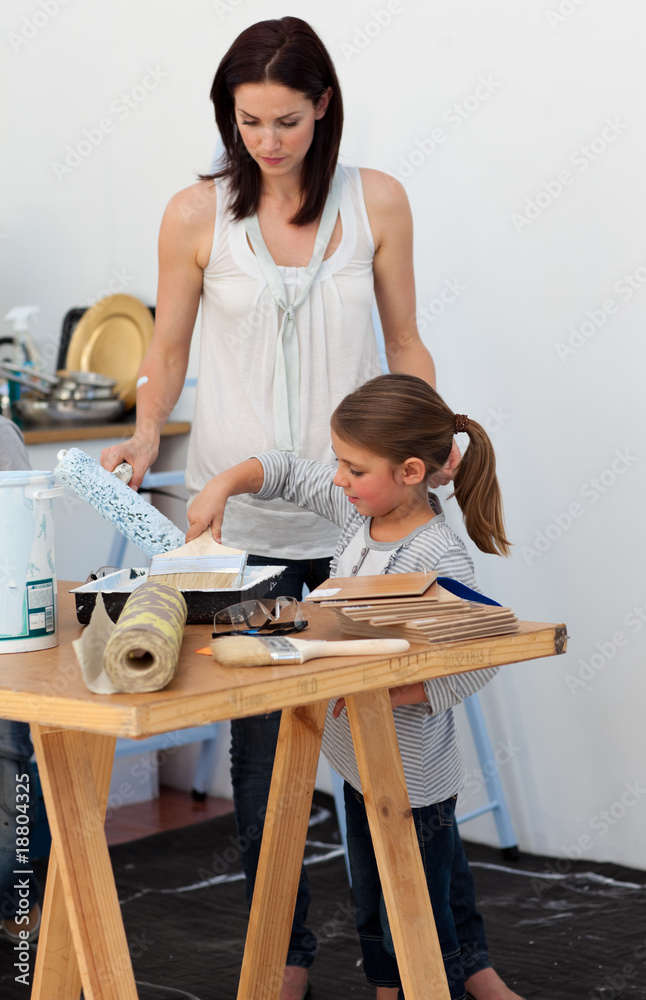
461, 422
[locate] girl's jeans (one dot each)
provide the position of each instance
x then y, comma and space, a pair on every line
459, 926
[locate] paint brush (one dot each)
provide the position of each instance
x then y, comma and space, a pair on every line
261, 651
201, 564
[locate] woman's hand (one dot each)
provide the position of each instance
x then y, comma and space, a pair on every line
406, 694
447, 473
137, 452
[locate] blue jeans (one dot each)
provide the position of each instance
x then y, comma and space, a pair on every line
459, 926
15, 753
253, 747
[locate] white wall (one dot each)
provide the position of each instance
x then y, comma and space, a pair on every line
536, 88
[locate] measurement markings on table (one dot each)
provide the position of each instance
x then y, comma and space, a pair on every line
242, 701
469, 658
452, 660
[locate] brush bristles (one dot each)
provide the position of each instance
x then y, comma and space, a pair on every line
222, 580
240, 651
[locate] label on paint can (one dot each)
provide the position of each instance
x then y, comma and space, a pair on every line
41, 612
28, 607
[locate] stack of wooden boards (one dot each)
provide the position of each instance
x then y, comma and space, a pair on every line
410, 606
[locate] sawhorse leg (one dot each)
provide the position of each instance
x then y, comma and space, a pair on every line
83, 940
282, 850
396, 847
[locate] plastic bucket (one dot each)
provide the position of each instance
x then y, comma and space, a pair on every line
28, 608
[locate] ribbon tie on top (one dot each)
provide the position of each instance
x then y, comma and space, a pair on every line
286, 364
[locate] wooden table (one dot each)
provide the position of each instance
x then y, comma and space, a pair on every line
82, 939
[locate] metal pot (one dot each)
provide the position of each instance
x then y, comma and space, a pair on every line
84, 385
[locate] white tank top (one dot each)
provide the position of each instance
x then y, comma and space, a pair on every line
234, 403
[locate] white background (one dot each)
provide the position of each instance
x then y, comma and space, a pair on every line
531, 232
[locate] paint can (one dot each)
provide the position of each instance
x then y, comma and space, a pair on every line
28, 608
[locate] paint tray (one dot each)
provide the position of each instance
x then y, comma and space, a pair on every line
201, 604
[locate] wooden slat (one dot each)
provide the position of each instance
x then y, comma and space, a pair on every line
68, 762
281, 855
396, 847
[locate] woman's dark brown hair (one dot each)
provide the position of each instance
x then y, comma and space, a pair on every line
400, 417
289, 52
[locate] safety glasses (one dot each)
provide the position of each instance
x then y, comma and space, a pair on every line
279, 617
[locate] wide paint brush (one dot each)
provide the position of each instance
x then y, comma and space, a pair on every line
201, 564
261, 651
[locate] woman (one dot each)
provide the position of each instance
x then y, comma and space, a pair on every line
285, 249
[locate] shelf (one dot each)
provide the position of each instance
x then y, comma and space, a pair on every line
49, 435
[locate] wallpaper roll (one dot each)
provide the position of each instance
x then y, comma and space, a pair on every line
143, 651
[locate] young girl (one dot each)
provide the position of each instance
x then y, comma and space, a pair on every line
389, 437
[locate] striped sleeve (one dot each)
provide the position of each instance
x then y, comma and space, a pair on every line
305, 483
445, 692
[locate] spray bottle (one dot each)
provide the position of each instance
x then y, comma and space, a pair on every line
23, 349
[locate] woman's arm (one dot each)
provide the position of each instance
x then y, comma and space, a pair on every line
184, 248
392, 229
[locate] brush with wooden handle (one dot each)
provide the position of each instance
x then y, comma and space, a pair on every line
262, 651
201, 564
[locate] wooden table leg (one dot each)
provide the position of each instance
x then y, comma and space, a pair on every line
281, 854
56, 972
396, 847
74, 769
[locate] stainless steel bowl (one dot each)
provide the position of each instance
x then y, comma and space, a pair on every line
70, 413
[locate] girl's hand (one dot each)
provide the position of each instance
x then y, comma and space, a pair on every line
406, 694
137, 452
208, 510
208, 506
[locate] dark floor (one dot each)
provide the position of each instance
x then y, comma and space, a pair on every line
557, 930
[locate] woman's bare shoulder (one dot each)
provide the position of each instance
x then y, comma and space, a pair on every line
188, 223
193, 205
386, 204
382, 190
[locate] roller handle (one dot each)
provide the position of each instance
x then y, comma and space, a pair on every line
55, 491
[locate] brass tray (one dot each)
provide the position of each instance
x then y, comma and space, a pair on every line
112, 338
